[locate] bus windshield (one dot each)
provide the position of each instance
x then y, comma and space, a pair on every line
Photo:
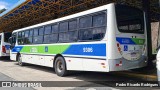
129, 19
7, 36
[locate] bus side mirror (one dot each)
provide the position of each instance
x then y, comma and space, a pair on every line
10, 40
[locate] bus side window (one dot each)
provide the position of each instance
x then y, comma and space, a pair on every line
92, 27
51, 34
22, 34
26, 39
85, 34
14, 35
19, 34
98, 33
55, 28
40, 35
63, 29
27, 33
85, 23
19, 38
99, 20
73, 25
73, 33
30, 36
48, 29
54, 36
47, 32
30, 33
23, 37
35, 34
41, 31
13, 40
7, 36
99, 24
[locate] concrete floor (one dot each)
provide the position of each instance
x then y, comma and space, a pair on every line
11, 71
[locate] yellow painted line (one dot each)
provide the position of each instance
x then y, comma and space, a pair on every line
135, 75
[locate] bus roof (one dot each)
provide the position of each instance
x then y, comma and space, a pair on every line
104, 7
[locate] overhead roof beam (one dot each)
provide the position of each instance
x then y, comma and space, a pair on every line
32, 10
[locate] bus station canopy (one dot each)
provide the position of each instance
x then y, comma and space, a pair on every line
30, 12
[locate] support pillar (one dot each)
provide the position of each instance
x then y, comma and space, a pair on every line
146, 8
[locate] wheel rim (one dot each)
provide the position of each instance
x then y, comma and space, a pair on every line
60, 66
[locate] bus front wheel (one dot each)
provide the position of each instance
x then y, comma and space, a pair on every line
20, 61
60, 67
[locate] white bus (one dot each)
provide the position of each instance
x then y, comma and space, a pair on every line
4, 44
103, 39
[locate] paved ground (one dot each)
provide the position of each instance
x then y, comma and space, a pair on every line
10, 71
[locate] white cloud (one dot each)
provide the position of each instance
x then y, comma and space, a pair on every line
4, 5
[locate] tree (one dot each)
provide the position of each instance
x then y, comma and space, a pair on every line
2, 10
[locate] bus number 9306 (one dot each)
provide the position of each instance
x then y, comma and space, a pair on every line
87, 49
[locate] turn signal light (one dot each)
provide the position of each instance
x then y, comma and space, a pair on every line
3, 49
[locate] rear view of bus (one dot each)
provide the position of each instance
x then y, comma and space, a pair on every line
130, 43
4, 44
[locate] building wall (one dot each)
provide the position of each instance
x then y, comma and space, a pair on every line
154, 28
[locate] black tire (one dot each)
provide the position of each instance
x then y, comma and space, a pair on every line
20, 61
60, 67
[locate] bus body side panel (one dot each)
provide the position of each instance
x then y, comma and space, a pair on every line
112, 52
49, 61
87, 56
129, 49
89, 65
1, 38
95, 65
4, 45
38, 59
14, 51
111, 29
13, 56
7, 46
74, 63
90, 56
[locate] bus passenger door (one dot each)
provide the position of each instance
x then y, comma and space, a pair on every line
12, 41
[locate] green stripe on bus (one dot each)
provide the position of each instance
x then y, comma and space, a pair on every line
138, 41
51, 49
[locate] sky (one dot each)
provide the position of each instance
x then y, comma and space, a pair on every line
7, 3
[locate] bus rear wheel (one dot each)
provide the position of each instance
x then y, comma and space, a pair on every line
20, 60
60, 67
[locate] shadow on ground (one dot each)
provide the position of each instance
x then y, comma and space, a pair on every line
100, 79
6, 59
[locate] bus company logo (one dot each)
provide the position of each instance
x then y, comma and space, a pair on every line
46, 48
125, 41
6, 84
141, 41
18, 49
34, 50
